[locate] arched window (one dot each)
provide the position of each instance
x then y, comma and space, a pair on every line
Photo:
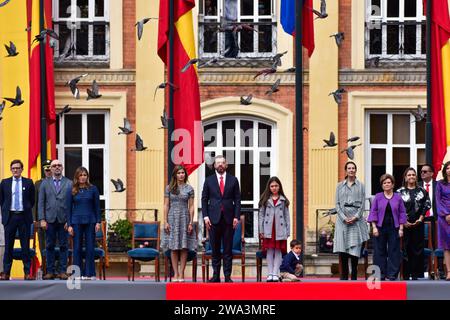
248, 145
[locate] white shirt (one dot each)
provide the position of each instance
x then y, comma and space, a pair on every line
13, 188
430, 194
224, 175
296, 255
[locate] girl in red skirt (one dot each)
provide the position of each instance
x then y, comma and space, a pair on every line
274, 226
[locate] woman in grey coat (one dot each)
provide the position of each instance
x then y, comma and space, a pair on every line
351, 228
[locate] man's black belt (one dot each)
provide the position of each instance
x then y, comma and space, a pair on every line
16, 212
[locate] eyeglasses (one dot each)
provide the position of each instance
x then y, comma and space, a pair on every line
56, 165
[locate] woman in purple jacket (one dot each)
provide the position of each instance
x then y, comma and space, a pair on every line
387, 215
443, 213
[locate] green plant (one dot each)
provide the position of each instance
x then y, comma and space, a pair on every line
123, 229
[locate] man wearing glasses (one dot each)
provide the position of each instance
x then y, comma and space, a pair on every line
37, 185
17, 201
52, 210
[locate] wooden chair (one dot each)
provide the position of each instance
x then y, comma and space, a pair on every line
238, 250
192, 256
101, 251
144, 231
260, 255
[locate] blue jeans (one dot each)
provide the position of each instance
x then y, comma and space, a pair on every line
56, 230
86, 232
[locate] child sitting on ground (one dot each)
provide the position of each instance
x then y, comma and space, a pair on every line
291, 267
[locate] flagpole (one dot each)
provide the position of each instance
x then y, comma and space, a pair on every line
299, 120
429, 125
43, 89
170, 124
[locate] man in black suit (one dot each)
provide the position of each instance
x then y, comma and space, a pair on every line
429, 184
221, 208
17, 201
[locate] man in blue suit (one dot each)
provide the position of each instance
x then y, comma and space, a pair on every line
17, 201
221, 208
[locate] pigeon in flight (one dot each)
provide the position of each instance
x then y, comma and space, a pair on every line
353, 139
277, 58
41, 37
93, 93
290, 70
140, 26
69, 48
118, 185
2, 107
207, 63
331, 142
164, 120
126, 129
274, 88
189, 64
65, 110
265, 72
337, 95
338, 37
323, 10
11, 49
349, 151
139, 144
418, 114
163, 86
17, 101
73, 85
246, 100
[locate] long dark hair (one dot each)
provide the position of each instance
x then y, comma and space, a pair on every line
173, 185
405, 184
76, 182
444, 174
267, 194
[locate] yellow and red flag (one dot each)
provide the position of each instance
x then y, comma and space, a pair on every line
440, 79
187, 117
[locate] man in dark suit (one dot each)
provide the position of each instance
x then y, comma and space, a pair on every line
37, 185
429, 184
17, 201
221, 208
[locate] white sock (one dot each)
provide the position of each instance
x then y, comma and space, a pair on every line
270, 262
277, 262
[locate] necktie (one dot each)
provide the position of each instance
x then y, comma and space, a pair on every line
427, 187
16, 196
222, 185
57, 184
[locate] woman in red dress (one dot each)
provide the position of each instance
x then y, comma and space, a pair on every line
274, 226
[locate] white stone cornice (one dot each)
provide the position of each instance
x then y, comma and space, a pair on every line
230, 76
102, 76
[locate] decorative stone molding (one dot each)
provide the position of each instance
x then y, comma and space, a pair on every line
383, 77
215, 76
103, 76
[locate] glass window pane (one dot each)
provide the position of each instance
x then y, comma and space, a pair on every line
83, 6
402, 125
228, 133
264, 170
393, 8
401, 161
99, 8
83, 40
96, 128
96, 168
231, 161
264, 7
265, 37
420, 131
247, 37
246, 133
72, 160
210, 135
209, 163
424, 38
72, 129
410, 8
378, 128
421, 157
99, 40
375, 41
246, 180
378, 168
264, 135
211, 7
410, 39
64, 8
57, 130
246, 7
393, 43
210, 35
64, 38
231, 10
249, 218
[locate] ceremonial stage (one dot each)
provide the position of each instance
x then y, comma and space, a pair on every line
316, 289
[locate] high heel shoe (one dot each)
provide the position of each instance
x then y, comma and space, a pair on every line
448, 277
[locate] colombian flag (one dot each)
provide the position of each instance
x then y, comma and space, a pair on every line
288, 21
187, 118
440, 79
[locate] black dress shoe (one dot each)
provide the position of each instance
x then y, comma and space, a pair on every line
4, 277
214, 279
228, 279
